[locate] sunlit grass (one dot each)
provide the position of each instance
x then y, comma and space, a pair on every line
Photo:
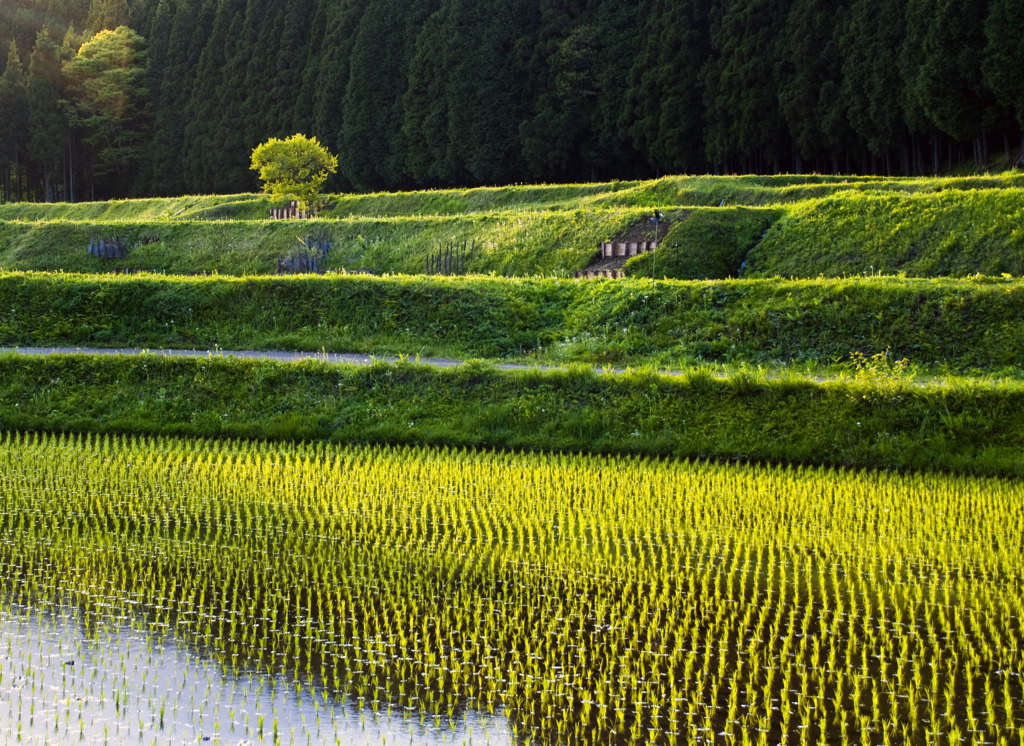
593, 600
526, 230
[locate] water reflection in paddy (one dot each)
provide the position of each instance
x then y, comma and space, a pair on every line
64, 682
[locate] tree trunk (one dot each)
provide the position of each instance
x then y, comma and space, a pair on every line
798, 164
71, 147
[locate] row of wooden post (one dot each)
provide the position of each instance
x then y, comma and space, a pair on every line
632, 248
593, 274
292, 211
450, 259
611, 250
107, 248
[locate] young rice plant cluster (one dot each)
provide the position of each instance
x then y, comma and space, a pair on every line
591, 600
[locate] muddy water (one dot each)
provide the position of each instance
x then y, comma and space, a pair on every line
64, 683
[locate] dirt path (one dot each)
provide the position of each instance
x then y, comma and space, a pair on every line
342, 358
347, 358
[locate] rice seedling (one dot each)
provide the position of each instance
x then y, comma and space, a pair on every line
173, 588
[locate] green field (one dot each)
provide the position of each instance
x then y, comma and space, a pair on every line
790, 226
767, 491
936, 326
794, 283
586, 600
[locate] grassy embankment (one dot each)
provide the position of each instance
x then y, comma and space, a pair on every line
860, 225
872, 420
937, 326
939, 229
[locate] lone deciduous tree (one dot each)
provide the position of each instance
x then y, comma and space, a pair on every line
296, 167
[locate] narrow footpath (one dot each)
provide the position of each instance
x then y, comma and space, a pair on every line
341, 358
349, 358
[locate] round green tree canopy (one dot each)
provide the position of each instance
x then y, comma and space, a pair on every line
298, 166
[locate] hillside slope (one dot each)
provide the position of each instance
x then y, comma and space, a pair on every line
791, 226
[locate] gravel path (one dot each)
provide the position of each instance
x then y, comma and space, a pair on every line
343, 358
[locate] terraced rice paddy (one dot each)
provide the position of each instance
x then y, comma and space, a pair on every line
481, 597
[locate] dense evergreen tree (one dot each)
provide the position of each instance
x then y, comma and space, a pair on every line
372, 142
872, 87
558, 53
275, 70
1004, 59
909, 62
744, 126
46, 121
949, 81
332, 75
14, 122
159, 29
663, 113
215, 155
808, 75
611, 152
454, 92
425, 108
309, 74
465, 92
21, 20
107, 15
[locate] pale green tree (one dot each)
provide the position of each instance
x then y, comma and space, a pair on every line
105, 80
295, 167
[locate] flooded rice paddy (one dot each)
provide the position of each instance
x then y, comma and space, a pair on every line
177, 591
64, 681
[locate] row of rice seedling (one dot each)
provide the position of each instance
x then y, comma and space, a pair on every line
592, 600
121, 684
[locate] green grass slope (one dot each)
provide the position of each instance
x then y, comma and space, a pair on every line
707, 191
949, 233
711, 243
509, 243
936, 325
890, 345
962, 426
818, 225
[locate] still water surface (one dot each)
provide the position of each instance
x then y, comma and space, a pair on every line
64, 683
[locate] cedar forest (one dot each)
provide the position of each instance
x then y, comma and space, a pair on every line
174, 94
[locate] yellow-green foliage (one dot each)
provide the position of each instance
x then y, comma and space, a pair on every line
878, 417
296, 167
932, 323
518, 242
830, 225
594, 600
949, 233
709, 244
